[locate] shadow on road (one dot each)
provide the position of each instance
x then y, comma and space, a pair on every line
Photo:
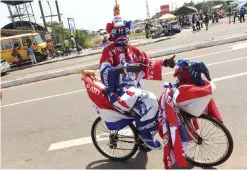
139, 162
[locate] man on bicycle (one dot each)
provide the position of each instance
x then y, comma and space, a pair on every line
121, 67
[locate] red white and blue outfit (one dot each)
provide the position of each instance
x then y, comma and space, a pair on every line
192, 94
124, 90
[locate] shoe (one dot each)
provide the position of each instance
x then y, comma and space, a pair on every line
150, 141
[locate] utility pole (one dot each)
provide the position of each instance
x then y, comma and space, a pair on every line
42, 14
147, 10
60, 21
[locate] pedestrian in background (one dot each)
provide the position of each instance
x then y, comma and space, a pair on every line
201, 19
235, 15
30, 53
242, 13
197, 22
16, 55
147, 30
206, 21
49, 46
193, 22
66, 46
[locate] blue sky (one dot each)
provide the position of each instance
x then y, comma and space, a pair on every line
93, 14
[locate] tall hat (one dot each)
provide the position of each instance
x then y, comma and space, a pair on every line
117, 20
116, 9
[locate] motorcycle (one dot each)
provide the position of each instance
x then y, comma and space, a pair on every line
119, 128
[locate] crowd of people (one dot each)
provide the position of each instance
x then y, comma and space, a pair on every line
196, 21
241, 16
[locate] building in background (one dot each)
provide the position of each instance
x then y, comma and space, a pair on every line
164, 9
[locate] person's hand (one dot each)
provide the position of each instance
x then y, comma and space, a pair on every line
143, 65
169, 62
120, 71
134, 68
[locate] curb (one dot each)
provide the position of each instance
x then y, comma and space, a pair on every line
66, 72
47, 76
99, 51
199, 46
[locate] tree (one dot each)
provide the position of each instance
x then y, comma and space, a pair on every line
191, 3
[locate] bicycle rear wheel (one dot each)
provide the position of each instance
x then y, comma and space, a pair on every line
119, 145
215, 147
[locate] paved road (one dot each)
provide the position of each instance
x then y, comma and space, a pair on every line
185, 38
37, 115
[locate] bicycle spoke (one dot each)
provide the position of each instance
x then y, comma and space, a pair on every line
215, 153
119, 143
209, 130
214, 143
212, 134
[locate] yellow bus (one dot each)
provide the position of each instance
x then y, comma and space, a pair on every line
22, 40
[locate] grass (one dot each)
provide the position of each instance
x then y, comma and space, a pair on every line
136, 35
97, 40
93, 41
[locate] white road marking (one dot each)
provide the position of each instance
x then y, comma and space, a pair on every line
239, 46
221, 62
235, 47
78, 91
84, 140
229, 77
42, 98
87, 140
227, 61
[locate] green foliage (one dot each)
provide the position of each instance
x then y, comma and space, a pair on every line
85, 40
191, 3
81, 37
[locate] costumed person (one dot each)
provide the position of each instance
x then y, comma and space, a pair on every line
122, 66
191, 94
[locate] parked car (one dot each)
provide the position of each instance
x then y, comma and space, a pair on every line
175, 27
156, 31
5, 67
102, 32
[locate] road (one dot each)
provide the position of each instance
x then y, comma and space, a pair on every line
39, 115
184, 38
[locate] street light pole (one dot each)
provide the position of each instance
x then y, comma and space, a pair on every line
60, 21
51, 15
42, 14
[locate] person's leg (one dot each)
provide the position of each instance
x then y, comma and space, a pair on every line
31, 57
34, 58
145, 105
51, 53
146, 108
67, 50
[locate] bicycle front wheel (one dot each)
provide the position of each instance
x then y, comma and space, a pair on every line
215, 147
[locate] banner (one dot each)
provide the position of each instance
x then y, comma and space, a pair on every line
164, 9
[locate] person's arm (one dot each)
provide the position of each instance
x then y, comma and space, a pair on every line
152, 69
108, 73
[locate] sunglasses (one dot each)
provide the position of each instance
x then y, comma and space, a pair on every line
120, 31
